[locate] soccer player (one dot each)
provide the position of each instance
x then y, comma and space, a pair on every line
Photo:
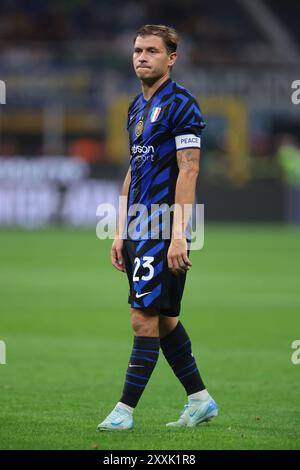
164, 126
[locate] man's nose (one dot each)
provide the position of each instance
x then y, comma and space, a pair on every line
142, 57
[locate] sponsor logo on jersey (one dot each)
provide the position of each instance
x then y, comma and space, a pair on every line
142, 153
142, 149
155, 113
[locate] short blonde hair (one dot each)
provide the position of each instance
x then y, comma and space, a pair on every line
168, 34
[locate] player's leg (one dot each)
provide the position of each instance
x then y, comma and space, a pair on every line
144, 354
177, 349
176, 346
143, 358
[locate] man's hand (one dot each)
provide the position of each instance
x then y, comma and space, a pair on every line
178, 261
117, 255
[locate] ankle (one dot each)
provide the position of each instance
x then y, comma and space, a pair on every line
201, 395
125, 407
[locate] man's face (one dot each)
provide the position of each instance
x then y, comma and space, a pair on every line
151, 59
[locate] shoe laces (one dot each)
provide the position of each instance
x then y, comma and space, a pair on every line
184, 410
190, 405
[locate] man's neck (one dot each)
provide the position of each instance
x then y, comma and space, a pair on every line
149, 89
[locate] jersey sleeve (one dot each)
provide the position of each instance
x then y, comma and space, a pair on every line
128, 118
186, 116
129, 112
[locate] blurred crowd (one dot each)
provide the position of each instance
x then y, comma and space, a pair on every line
65, 62
212, 32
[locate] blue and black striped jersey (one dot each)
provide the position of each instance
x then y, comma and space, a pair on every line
157, 128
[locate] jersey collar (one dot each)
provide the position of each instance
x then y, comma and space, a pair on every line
158, 90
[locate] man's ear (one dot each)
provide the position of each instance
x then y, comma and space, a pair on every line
172, 58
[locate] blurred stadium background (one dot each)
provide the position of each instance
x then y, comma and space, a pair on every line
63, 151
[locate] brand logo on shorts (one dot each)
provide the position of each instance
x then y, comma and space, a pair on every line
142, 295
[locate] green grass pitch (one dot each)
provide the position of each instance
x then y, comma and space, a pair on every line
65, 320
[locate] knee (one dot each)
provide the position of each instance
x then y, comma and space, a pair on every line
144, 324
167, 325
137, 322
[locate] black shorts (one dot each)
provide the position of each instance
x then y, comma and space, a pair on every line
151, 282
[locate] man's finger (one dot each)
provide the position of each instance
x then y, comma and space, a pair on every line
121, 260
184, 263
119, 267
181, 265
119, 257
115, 260
176, 266
170, 263
186, 260
113, 254
116, 264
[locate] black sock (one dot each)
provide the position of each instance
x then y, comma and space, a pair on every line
177, 350
142, 362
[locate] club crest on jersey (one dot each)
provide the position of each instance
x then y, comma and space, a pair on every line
155, 113
139, 128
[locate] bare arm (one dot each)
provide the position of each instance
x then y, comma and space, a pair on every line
189, 164
123, 209
117, 246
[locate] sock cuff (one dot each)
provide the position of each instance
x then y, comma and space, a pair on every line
146, 342
123, 406
175, 337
